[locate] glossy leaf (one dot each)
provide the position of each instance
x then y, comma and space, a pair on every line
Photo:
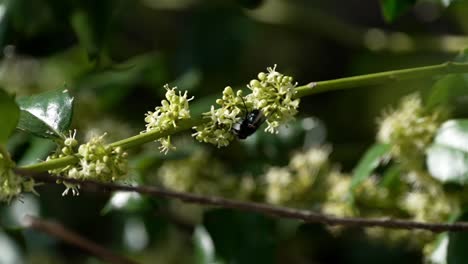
447, 158
369, 162
204, 246
9, 116
241, 237
392, 9
46, 115
124, 201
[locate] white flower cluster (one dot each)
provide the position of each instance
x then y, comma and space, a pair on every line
293, 184
217, 130
273, 94
175, 107
12, 185
98, 161
410, 128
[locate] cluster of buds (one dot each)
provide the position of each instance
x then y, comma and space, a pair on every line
174, 108
12, 185
272, 94
97, 161
218, 130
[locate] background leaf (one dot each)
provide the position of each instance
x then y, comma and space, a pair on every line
369, 162
47, 114
9, 115
457, 244
447, 158
394, 8
204, 247
241, 237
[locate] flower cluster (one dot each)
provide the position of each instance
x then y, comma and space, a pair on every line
272, 94
295, 184
410, 129
12, 185
217, 130
174, 108
98, 161
202, 174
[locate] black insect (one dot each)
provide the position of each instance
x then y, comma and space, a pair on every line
251, 122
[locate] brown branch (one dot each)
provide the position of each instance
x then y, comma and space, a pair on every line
59, 231
277, 211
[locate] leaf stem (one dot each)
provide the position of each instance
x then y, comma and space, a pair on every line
305, 90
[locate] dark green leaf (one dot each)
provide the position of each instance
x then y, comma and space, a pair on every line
447, 158
369, 162
394, 8
251, 4
9, 116
16, 234
204, 247
457, 245
241, 237
46, 115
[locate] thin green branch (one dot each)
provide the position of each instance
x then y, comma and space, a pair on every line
305, 90
381, 77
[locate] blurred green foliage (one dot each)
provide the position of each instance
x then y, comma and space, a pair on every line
114, 58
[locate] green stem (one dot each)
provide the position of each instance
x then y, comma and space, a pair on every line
381, 77
305, 90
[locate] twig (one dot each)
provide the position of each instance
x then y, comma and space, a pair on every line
277, 211
59, 231
304, 90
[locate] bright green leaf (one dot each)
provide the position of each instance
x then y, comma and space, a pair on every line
46, 115
447, 158
394, 8
9, 116
368, 163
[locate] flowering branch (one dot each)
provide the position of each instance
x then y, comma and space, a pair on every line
277, 211
59, 231
305, 90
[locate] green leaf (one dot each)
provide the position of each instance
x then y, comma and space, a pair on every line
457, 245
9, 116
241, 237
38, 150
124, 201
369, 162
447, 158
394, 8
46, 115
204, 246
450, 88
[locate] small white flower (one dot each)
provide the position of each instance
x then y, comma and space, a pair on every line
174, 108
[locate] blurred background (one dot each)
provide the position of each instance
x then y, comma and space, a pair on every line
115, 56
